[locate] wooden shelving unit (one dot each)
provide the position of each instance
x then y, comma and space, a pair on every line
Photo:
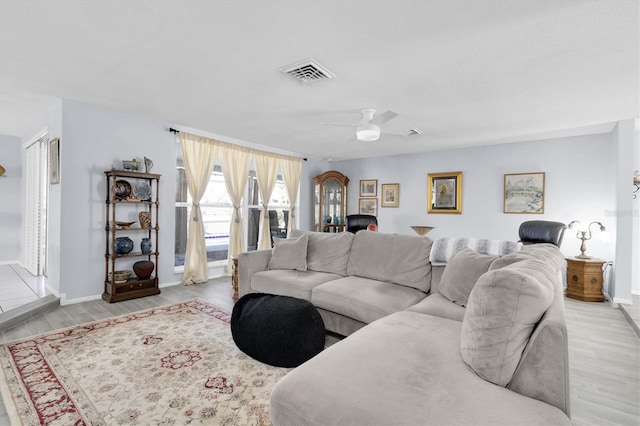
114, 205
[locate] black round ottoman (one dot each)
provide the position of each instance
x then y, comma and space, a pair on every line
278, 330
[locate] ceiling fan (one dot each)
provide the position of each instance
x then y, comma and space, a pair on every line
369, 128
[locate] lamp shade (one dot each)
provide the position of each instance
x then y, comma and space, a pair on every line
368, 132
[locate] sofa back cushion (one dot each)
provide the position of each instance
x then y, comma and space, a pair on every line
327, 252
503, 308
394, 258
462, 273
289, 253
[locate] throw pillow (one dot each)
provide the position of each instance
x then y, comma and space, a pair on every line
289, 253
504, 307
462, 273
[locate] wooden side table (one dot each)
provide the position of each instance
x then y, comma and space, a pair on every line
584, 279
234, 279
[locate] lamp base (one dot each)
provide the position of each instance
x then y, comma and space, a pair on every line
583, 256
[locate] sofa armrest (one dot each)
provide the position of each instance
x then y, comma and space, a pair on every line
543, 372
249, 263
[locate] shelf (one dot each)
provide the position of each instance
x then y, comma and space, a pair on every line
153, 228
133, 287
132, 254
134, 175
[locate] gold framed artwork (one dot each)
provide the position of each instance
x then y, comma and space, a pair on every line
390, 195
524, 193
368, 206
54, 161
444, 192
369, 188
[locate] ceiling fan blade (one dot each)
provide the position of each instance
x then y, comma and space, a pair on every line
340, 125
384, 117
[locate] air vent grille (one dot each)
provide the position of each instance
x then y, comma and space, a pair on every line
307, 71
414, 131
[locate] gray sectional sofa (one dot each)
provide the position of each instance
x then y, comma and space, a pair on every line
480, 340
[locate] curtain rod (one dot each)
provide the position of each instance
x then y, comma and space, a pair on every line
172, 130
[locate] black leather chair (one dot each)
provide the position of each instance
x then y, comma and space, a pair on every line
541, 231
357, 222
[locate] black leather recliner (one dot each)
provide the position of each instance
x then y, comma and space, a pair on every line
357, 222
541, 231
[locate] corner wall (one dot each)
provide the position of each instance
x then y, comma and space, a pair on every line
10, 200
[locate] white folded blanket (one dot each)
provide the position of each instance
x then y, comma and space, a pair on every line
444, 248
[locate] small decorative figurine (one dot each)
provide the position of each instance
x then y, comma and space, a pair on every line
148, 164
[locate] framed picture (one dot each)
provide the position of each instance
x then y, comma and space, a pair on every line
368, 206
390, 195
54, 161
369, 188
444, 192
524, 193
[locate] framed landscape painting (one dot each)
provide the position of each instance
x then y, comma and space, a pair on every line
524, 193
444, 192
368, 206
390, 195
369, 188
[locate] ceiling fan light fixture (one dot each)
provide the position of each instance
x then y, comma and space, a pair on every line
368, 132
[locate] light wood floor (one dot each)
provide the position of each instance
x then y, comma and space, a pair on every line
604, 351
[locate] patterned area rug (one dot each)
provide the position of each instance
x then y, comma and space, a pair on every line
173, 365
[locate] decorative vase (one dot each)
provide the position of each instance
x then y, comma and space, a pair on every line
123, 245
143, 269
328, 219
145, 245
145, 220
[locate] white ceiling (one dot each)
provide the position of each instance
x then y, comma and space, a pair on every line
465, 72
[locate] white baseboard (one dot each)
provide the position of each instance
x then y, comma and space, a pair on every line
65, 301
623, 301
9, 262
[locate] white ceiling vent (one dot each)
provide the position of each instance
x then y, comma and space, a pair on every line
307, 71
414, 131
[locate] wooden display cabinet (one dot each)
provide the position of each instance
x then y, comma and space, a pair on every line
584, 279
329, 201
117, 204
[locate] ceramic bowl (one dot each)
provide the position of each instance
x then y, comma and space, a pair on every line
121, 276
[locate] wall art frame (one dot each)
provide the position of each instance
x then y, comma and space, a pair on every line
390, 195
444, 192
54, 161
368, 206
524, 193
369, 188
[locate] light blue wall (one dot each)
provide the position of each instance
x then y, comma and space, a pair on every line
580, 184
10, 199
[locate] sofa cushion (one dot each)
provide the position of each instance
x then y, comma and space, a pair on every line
509, 259
327, 252
400, 259
404, 369
438, 305
364, 299
503, 308
462, 272
289, 253
289, 282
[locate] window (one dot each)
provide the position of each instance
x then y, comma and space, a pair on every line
217, 210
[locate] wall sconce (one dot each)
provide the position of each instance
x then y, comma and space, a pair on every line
584, 236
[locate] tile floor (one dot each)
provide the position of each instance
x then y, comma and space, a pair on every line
18, 287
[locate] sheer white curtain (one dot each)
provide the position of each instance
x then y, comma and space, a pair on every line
266, 173
235, 167
291, 169
199, 158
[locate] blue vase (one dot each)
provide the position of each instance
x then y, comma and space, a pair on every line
123, 245
145, 245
